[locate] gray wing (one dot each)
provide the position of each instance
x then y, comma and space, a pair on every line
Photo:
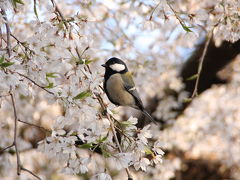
130, 87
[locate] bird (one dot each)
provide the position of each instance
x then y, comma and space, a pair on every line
120, 88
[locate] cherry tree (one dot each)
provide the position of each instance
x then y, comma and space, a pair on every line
55, 119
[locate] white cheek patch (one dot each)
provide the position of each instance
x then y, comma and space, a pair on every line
132, 89
117, 67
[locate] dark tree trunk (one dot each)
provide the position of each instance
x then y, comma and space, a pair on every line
216, 59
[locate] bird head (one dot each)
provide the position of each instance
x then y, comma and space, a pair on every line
115, 65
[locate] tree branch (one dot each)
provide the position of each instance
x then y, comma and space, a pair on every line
58, 12
45, 89
100, 100
154, 9
19, 166
8, 32
15, 134
30, 172
216, 58
4, 149
195, 91
34, 83
35, 8
30, 124
22, 44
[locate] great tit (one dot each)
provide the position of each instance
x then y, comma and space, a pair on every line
119, 86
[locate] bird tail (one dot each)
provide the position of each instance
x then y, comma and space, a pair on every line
149, 116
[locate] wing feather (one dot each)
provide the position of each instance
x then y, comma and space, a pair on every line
130, 87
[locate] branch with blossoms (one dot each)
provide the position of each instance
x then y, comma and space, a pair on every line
122, 151
7, 31
11, 94
82, 121
116, 140
15, 143
59, 13
110, 118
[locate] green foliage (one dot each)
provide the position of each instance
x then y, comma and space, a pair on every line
86, 146
15, 2
149, 152
82, 95
50, 75
5, 64
50, 85
186, 28
105, 153
187, 100
1, 59
35, 9
101, 140
193, 77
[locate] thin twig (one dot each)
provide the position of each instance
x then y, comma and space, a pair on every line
150, 18
24, 169
81, 55
45, 89
60, 14
8, 32
123, 133
181, 21
15, 134
35, 8
37, 126
195, 91
4, 149
34, 83
19, 166
22, 43
84, 51
1, 35
116, 139
100, 100
114, 132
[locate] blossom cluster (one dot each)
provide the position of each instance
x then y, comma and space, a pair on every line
55, 76
54, 63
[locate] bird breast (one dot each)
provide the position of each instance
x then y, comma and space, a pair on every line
117, 92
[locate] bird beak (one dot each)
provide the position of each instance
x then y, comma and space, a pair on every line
103, 65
